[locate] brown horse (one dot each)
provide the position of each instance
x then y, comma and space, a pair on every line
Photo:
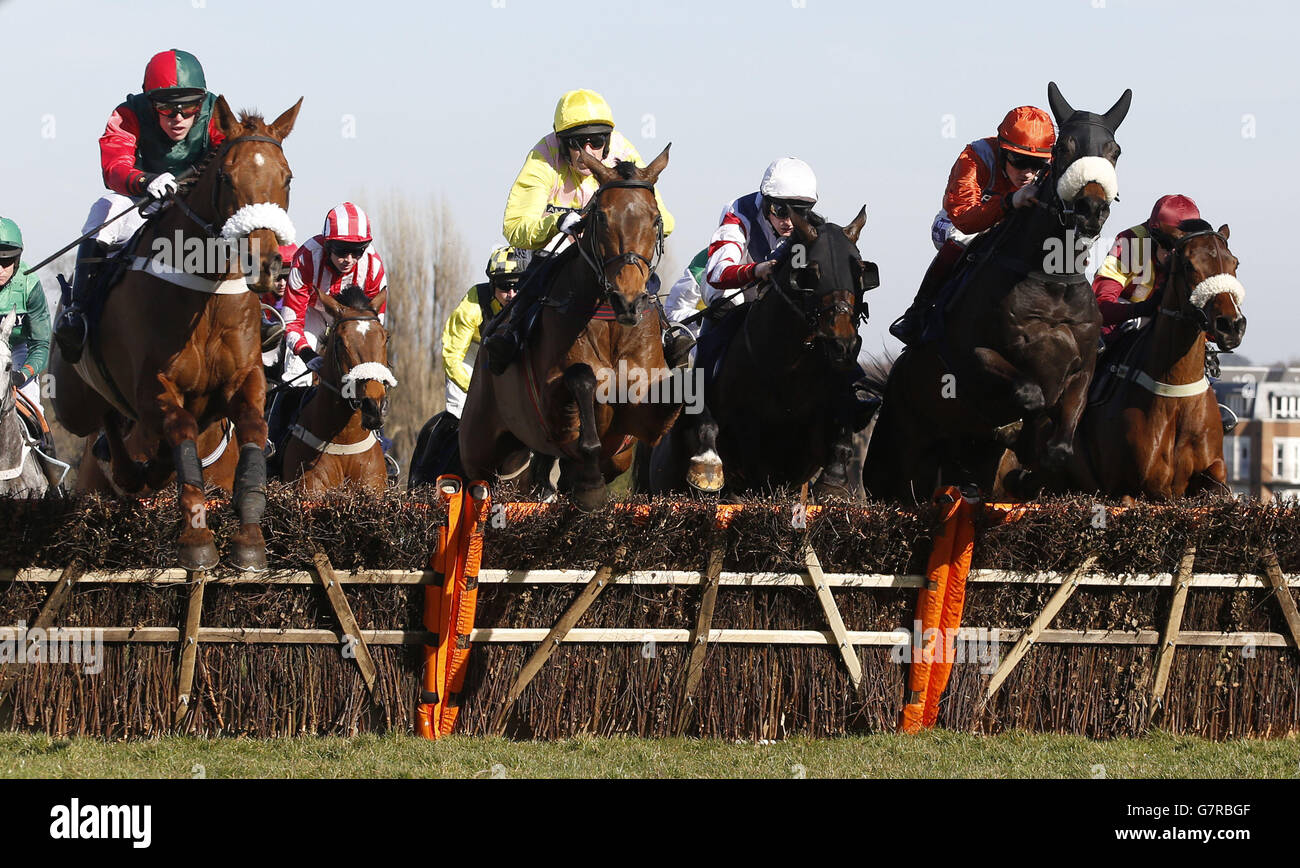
178, 345
217, 457
334, 441
548, 401
1014, 362
1159, 434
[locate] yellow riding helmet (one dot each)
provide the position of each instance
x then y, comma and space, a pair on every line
581, 108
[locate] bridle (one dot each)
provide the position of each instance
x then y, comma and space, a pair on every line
336, 338
596, 220
1178, 262
222, 181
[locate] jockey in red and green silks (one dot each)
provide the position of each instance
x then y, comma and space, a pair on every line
151, 138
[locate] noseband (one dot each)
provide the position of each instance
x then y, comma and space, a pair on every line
336, 337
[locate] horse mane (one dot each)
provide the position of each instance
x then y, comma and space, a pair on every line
875, 373
354, 297
626, 169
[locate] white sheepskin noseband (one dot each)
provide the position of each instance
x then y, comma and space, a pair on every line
1084, 171
371, 371
1217, 284
263, 215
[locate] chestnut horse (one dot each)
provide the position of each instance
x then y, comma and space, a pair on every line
775, 391
178, 345
1159, 433
334, 439
1014, 363
547, 401
217, 456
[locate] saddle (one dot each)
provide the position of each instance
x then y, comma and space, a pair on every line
1118, 362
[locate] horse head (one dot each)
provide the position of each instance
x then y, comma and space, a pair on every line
823, 276
623, 233
356, 354
1084, 159
249, 183
1211, 295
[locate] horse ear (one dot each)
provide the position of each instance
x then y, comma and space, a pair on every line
283, 125
803, 228
604, 174
1223, 230
225, 117
651, 172
331, 305
854, 229
1061, 109
1115, 116
381, 298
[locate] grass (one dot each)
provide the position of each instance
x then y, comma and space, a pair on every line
934, 754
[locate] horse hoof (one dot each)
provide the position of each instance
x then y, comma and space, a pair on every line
827, 490
1058, 454
590, 499
198, 557
1030, 398
249, 559
705, 475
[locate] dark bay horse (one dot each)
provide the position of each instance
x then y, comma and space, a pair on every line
178, 345
334, 441
1160, 435
1015, 360
560, 397
773, 396
216, 449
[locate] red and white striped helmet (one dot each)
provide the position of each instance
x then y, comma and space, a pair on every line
346, 222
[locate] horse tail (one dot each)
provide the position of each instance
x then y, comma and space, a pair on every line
876, 371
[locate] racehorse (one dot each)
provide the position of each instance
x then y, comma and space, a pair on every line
1015, 358
334, 439
1159, 433
217, 457
179, 347
775, 390
548, 401
20, 468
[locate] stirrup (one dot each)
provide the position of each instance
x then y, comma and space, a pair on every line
72, 321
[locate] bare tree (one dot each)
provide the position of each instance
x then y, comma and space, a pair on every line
428, 271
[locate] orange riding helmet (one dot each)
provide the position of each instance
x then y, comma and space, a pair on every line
1027, 130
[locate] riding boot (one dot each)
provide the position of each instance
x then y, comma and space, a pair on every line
507, 336
272, 331
71, 329
909, 327
678, 343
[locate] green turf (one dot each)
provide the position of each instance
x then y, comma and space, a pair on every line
933, 754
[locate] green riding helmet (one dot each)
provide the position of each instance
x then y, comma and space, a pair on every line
11, 237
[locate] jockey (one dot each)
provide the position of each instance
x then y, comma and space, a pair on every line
550, 190
22, 294
340, 256
272, 326
685, 301
747, 243
151, 138
991, 178
460, 337
1129, 283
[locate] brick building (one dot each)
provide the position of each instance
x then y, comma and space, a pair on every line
1263, 453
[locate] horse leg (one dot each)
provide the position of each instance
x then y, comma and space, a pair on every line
704, 464
245, 409
1002, 376
589, 491
124, 473
1060, 446
181, 431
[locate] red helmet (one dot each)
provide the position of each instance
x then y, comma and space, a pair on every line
346, 222
286, 252
1171, 210
1027, 130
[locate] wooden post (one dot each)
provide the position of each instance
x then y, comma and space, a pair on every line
1027, 638
817, 581
54, 603
190, 645
1273, 571
1169, 639
355, 644
556, 635
699, 641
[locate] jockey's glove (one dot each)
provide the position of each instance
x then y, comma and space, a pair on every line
569, 223
160, 186
18, 378
1024, 196
312, 359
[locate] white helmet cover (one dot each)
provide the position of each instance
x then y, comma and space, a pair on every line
789, 178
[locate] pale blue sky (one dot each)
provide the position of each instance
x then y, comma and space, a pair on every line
448, 97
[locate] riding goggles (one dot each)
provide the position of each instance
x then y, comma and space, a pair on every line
177, 109
782, 209
1024, 161
505, 286
9, 257
597, 141
347, 248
